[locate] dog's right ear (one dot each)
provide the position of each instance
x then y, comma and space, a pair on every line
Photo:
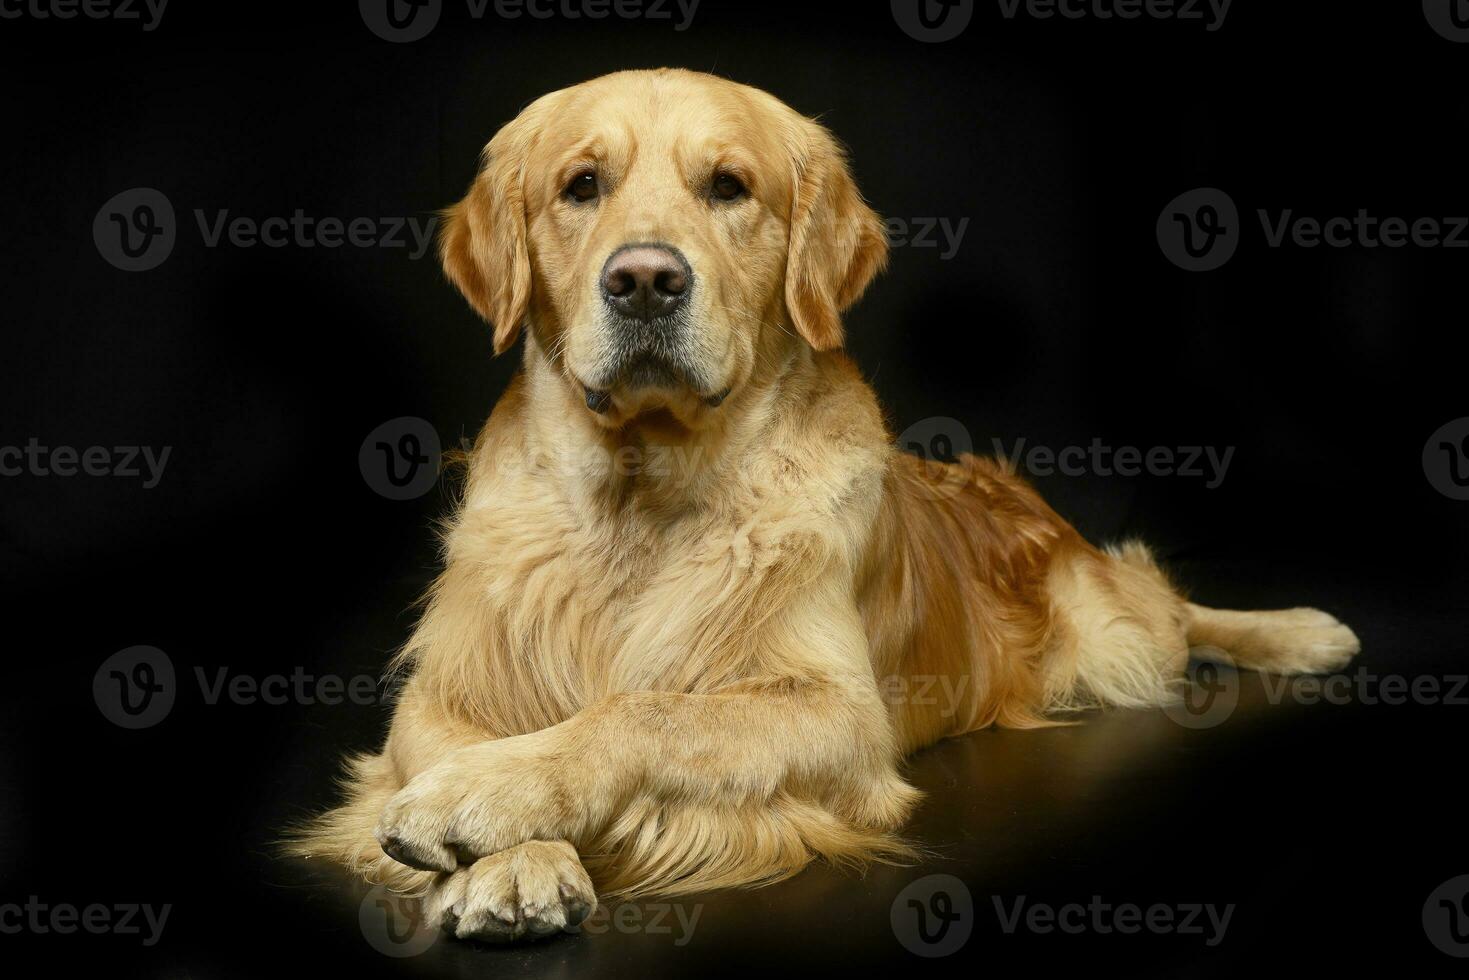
483, 242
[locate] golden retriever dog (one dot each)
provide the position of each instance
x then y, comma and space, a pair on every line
689, 567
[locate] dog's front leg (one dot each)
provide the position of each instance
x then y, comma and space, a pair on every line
812, 725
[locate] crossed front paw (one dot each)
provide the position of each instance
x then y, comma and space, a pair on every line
530, 891
478, 802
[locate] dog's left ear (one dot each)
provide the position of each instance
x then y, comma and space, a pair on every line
837, 242
483, 242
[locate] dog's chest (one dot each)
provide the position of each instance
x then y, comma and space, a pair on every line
591, 607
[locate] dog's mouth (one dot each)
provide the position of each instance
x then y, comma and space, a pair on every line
600, 402
648, 373
653, 370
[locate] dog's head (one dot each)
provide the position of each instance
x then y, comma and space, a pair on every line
662, 233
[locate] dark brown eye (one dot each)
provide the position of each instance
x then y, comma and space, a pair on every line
727, 187
583, 187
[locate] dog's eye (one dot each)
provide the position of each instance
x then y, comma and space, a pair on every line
727, 187
583, 187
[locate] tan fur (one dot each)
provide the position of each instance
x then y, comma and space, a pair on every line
662, 636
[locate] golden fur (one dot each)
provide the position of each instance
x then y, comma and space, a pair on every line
661, 655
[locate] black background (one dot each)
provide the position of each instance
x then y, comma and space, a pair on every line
1058, 321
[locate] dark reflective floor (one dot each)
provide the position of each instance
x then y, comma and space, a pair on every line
1275, 826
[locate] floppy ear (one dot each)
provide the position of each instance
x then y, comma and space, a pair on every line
483, 243
837, 242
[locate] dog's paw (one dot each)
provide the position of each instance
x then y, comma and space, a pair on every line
1309, 641
414, 826
530, 891
480, 801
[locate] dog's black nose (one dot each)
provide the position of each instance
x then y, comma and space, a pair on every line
646, 281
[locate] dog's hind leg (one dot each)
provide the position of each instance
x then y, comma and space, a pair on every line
1118, 631
1123, 634
1286, 641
